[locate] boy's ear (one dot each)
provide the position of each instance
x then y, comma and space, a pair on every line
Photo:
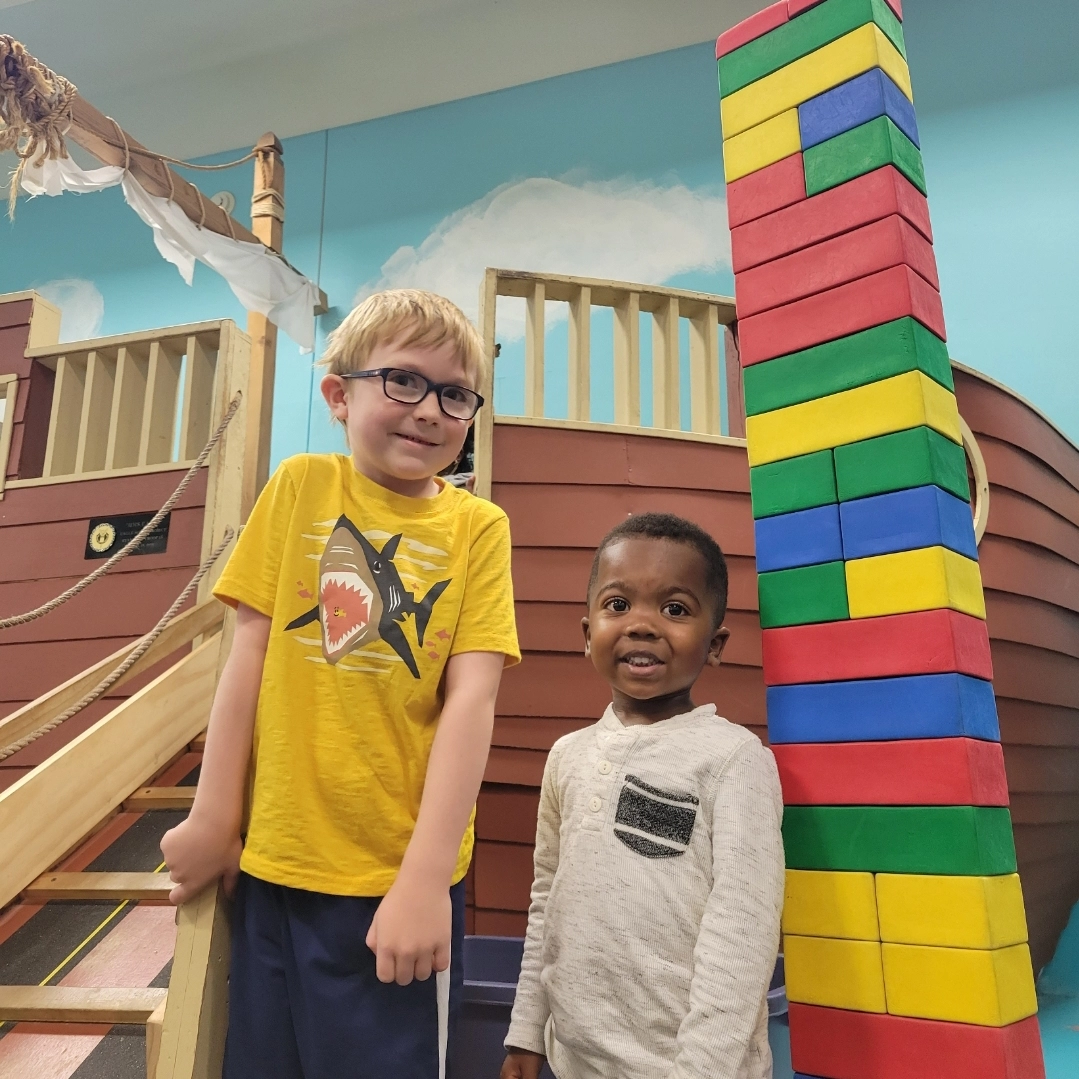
716, 645
587, 638
334, 391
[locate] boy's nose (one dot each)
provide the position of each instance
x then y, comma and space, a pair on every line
428, 409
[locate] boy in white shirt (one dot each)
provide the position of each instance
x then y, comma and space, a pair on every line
654, 922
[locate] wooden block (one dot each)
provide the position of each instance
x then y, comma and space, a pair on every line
839, 312
863, 1045
796, 7
855, 103
951, 912
785, 44
927, 771
922, 642
905, 520
791, 597
883, 709
960, 985
772, 16
830, 905
957, 840
153, 1039
803, 538
76, 1004
102, 886
771, 141
858, 151
893, 404
159, 798
911, 458
835, 63
795, 484
765, 191
842, 259
876, 195
914, 581
834, 973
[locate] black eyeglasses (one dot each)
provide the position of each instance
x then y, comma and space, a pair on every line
410, 388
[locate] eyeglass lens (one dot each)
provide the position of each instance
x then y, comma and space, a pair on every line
410, 388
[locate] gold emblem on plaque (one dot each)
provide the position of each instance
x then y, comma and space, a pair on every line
102, 537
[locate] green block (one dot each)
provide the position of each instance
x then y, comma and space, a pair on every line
861, 150
972, 841
912, 458
799, 37
795, 597
798, 483
874, 354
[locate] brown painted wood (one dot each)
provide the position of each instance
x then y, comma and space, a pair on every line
15, 313
1019, 517
36, 408
503, 875
1013, 566
1030, 723
1031, 621
500, 923
735, 385
1034, 674
1042, 770
507, 814
514, 767
1039, 808
533, 732
1014, 468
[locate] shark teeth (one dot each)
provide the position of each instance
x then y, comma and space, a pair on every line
346, 608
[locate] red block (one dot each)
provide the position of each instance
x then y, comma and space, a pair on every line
922, 772
855, 254
839, 312
864, 1045
753, 27
925, 642
766, 190
869, 198
796, 7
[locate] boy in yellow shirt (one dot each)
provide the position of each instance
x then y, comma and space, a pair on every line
374, 617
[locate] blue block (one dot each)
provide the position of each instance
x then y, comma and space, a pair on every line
803, 538
854, 103
884, 710
905, 521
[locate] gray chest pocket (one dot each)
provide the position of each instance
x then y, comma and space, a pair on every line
654, 822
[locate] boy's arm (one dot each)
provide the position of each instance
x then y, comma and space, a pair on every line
530, 1008
207, 845
739, 934
410, 933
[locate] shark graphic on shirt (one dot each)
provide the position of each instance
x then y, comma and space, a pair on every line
362, 598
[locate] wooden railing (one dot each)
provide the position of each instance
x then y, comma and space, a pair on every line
134, 402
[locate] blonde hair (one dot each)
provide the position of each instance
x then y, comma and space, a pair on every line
410, 318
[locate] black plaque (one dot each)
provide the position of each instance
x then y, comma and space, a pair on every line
107, 535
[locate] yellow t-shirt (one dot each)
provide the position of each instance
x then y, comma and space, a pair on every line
369, 593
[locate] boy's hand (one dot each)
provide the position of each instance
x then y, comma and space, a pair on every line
197, 853
521, 1064
410, 932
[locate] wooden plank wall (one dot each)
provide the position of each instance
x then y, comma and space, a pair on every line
34, 400
563, 489
1030, 569
43, 533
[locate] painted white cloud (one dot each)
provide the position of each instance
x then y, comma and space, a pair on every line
622, 229
81, 304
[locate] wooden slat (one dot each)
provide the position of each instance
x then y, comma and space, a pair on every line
704, 372
135, 886
63, 441
146, 798
484, 443
736, 403
665, 367
159, 417
75, 1004
9, 395
198, 743
153, 1038
128, 402
1016, 470
76, 788
198, 399
534, 342
96, 412
579, 354
627, 360
180, 631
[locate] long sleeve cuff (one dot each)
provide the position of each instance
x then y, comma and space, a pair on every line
526, 1034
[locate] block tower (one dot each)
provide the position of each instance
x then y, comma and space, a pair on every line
904, 928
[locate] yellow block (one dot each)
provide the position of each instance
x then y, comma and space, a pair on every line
762, 145
950, 912
843, 59
921, 580
819, 904
960, 985
834, 973
893, 404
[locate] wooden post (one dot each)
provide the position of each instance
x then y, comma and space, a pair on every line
736, 405
627, 359
485, 422
534, 338
580, 311
666, 406
267, 223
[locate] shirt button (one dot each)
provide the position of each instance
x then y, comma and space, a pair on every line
604, 768
595, 803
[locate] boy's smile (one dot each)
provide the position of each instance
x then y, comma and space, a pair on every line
651, 628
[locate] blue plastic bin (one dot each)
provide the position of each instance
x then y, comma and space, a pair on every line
492, 967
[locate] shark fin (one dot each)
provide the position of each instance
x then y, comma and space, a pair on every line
422, 610
394, 636
305, 619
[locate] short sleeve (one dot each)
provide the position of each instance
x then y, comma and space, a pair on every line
251, 574
486, 622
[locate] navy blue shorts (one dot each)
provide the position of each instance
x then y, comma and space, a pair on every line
304, 999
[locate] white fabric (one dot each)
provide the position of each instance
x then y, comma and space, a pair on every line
654, 922
259, 279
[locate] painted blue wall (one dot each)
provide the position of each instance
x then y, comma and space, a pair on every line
1002, 185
